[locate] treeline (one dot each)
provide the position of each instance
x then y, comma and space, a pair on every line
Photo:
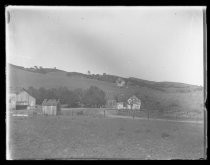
103, 77
92, 97
37, 69
40, 69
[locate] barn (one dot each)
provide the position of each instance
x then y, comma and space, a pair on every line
19, 98
51, 107
12, 101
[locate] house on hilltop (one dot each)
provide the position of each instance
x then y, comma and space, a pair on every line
51, 107
19, 98
120, 82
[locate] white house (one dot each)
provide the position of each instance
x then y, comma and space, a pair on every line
120, 105
134, 103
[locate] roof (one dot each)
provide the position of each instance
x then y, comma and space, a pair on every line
134, 99
50, 102
16, 90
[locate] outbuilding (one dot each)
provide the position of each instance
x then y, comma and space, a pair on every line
19, 98
120, 105
132, 102
51, 107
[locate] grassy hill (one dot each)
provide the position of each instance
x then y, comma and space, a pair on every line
155, 96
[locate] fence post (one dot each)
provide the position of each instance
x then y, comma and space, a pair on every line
133, 113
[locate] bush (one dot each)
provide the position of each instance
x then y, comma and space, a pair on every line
92, 97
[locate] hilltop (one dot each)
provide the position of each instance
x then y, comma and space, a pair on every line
162, 96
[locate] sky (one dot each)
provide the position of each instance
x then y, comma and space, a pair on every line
150, 43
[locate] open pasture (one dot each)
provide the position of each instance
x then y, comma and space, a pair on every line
99, 137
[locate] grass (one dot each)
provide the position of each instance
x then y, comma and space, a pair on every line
86, 136
194, 116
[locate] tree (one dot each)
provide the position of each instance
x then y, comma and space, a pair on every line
33, 92
51, 94
42, 94
94, 97
120, 98
79, 94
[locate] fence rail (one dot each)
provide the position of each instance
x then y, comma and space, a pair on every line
106, 112
135, 113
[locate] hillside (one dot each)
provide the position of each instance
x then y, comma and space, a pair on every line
161, 96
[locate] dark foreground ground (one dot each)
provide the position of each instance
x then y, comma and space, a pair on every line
73, 137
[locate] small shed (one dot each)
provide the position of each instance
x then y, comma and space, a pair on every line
51, 107
120, 105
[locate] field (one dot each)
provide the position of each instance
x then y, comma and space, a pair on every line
87, 136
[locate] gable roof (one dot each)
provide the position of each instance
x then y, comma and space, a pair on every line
16, 90
134, 99
50, 102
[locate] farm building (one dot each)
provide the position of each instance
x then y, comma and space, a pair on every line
51, 107
120, 105
19, 98
134, 103
12, 101
120, 82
